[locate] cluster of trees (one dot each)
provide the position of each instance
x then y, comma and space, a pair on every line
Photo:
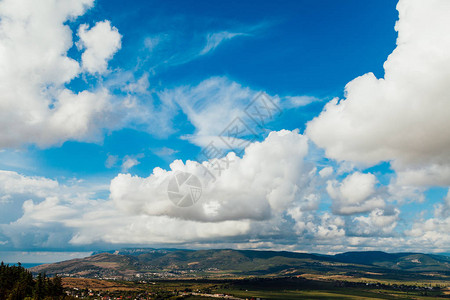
17, 283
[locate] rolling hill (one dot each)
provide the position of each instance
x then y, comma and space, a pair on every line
174, 263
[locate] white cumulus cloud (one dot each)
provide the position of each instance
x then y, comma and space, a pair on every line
402, 117
100, 42
36, 107
270, 177
355, 194
12, 183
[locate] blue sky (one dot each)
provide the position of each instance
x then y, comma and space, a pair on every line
103, 102
299, 48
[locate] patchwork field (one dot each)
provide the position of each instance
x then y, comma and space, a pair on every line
263, 288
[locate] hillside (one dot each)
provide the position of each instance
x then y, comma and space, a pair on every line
168, 263
398, 261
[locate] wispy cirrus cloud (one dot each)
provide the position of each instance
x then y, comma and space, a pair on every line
213, 40
163, 47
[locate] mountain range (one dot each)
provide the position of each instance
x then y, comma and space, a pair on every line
135, 263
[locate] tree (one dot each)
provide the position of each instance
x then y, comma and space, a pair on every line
57, 286
39, 289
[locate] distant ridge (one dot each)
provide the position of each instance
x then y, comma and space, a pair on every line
138, 251
167, 263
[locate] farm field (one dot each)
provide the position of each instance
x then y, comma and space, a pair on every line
253, 288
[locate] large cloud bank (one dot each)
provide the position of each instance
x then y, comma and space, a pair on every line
269, 198
404, 116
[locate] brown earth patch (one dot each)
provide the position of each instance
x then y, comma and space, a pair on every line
95, 284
